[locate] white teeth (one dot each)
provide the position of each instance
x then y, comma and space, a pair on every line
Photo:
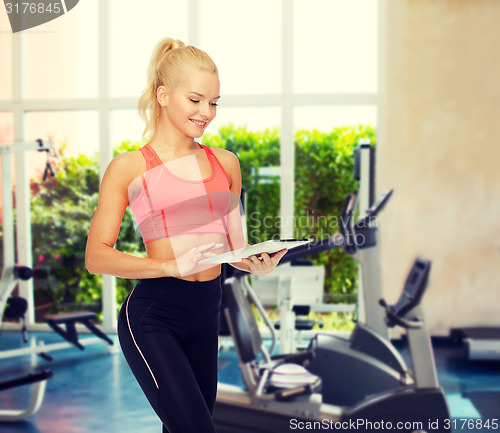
197, 122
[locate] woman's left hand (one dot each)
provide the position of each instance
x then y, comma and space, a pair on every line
263, 264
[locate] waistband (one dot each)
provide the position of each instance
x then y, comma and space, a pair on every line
184, 285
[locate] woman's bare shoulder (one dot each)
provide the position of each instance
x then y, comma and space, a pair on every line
127, 166
226, 157
231, 165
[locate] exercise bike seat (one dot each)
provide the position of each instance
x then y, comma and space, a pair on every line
290, 376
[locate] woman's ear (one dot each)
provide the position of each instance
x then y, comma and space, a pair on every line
162, 96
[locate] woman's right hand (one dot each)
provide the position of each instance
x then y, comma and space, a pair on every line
187, 261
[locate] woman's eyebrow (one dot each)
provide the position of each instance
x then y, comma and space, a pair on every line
202, 96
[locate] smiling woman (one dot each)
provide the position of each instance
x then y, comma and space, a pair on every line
164, 82
185, 200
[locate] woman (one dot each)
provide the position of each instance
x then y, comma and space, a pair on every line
184, 197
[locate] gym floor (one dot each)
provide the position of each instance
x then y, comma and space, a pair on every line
94, 390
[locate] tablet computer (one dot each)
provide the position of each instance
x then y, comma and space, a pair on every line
268, 247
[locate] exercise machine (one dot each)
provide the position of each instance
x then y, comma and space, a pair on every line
11, 275
284, 287
364, 174
366, 363
480, 343
38, 381
280, 394
15, 307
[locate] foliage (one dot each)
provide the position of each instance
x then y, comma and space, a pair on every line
61, 211
324, 177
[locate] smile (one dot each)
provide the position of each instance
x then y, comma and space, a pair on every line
198, 122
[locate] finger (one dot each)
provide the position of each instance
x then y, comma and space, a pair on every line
251, 261
283, 251
266, 259
205, 247
211, 246
208, 247
256, 259
191, 251
196, 257
279, 255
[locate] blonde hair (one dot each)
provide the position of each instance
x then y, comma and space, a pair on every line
169, 63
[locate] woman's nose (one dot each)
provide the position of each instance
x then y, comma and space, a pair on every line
205, 110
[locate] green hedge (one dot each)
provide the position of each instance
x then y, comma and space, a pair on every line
323, 178
62, 208
61, 213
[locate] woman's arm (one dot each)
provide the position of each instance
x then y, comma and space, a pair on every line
100, 256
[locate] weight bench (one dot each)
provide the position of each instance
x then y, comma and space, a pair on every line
70, 319
69, 334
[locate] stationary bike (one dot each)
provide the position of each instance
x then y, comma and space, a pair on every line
366, 363
280, 394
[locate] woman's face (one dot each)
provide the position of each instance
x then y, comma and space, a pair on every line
192, 105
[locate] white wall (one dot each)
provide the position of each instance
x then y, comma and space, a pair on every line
440, 150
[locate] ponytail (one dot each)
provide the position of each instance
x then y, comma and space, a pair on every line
148, 106
171, 59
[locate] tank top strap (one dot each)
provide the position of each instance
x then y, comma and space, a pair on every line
150, 156
216, 162
208, 151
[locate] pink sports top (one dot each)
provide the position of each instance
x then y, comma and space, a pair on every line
165, 205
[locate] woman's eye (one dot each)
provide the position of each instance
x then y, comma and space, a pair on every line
195, 101
213, 104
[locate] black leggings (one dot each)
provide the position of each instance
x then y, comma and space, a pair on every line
168, 331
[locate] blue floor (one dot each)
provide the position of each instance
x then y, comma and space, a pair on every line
94, 391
